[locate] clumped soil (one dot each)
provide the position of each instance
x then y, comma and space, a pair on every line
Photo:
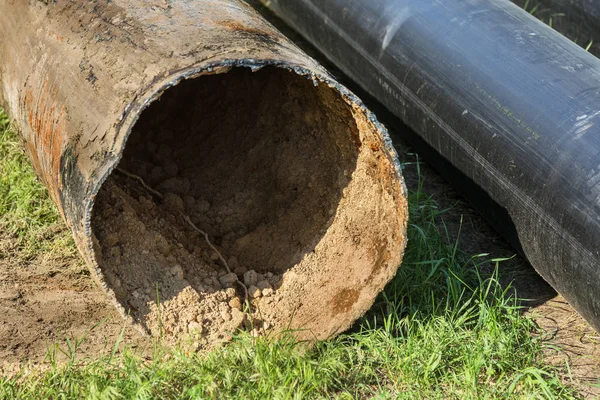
260, 173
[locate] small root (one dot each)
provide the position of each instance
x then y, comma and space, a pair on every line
206, 238
141, 182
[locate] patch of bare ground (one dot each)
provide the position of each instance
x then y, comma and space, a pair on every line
46, 300
574, 346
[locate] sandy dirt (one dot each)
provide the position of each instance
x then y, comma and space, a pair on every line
45, 301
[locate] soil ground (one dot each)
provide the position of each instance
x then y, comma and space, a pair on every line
47, 300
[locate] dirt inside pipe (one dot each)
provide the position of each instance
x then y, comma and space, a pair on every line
268, 165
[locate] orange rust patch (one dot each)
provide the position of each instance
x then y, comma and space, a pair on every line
381, 169
237, 26
46, 144
344, 300
380, 256
374, 145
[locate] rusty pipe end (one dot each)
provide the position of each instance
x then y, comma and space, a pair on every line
293, 180
265, 182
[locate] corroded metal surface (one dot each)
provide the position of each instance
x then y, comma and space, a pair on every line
76, 75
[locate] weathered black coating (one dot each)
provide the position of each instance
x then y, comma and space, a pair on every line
510, 102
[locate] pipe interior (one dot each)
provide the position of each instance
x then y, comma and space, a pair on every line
257, 160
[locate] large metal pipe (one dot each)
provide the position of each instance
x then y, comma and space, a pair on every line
508, 101
263, 178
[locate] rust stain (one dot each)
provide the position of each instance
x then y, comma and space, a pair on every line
344, 300
238, 27
374, 145
47, 123
382, 170
380, 255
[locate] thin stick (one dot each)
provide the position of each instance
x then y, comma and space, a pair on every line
203, 233
141, 181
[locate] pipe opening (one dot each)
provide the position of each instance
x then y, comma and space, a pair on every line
263, 163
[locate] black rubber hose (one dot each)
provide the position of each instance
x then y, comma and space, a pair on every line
510, 102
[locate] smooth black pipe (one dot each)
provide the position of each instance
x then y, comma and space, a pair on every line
510, 102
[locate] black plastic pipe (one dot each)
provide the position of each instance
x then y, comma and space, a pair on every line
511, 103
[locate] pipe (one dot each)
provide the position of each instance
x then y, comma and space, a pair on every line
201, 161
508, 101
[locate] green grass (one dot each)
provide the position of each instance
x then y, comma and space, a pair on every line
550, 17
440, 330
26, 211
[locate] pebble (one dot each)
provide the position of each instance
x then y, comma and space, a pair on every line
267, 292
173, 202
228, 280
235, 303
162, 245
254, 292
250, 278
263, 284
111, 239
194, 327
216, 284
233, 262
237, 317
275, 280
177, 271
244, 241
202, 206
